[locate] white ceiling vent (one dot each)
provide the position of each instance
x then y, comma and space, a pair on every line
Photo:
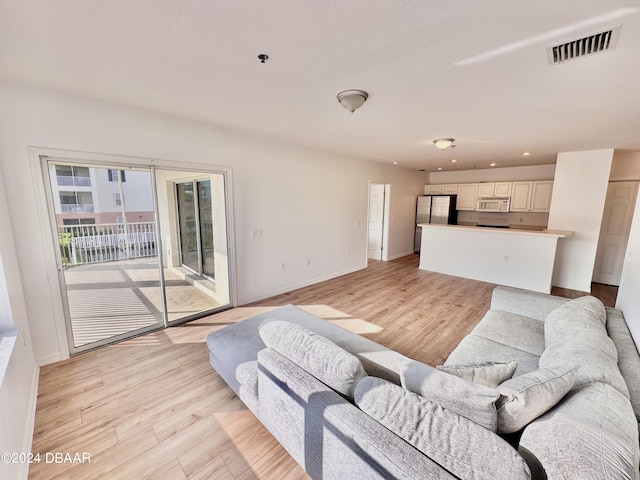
598, 42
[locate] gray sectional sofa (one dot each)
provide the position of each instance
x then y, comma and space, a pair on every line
346, 407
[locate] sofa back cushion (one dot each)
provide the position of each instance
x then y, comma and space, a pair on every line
472, 401
591, 434
575, 334
462, 447
332, 365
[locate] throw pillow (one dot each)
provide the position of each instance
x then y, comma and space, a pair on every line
319, 356
468, 399
490, 374
462, 447
526, 397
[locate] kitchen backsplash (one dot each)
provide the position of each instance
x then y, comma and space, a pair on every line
515, 219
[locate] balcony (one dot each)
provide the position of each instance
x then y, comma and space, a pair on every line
112, 281
76, 208
66, 181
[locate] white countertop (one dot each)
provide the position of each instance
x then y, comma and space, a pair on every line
507, 231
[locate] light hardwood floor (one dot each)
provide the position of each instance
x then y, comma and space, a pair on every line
152, 407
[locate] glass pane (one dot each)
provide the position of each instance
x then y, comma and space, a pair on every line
110, 268
186, 221
206, 228
188, 226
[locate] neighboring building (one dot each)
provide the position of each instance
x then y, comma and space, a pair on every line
89, 196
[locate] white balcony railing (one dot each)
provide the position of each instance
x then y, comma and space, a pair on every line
76, 208
80, 244
66, 181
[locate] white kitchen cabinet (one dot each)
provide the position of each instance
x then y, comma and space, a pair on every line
450, 189
531, 196
432, 189
541, 196
521, 196
486, 189
467, 196
502, 189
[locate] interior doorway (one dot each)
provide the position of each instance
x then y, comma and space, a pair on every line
377, 227
129, 262
614, 231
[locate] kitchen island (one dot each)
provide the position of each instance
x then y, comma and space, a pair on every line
505, 256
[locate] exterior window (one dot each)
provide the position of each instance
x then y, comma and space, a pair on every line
113, 175
116, 200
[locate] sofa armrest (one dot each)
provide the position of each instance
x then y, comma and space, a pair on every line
524, 302
328, 436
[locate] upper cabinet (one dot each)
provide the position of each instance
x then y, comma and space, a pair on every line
450, 189
467, 196
432, 189
446, 189
541, 197
527, 196
502, 189
486, 189
531, 196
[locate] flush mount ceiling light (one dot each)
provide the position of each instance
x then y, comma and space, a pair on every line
352, 99
443, 143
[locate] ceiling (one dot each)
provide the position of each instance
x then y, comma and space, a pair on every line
474, 71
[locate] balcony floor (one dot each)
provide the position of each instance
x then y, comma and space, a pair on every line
113, 298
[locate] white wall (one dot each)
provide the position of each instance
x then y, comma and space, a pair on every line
625, 165
628, 299
579, 192
308, 204
18, 391
505, 174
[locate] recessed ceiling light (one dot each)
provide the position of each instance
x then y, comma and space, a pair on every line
396, 162
453, 160
526, 154
439, 168
492, 164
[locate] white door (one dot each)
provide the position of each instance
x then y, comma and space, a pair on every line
614, 232
376, 221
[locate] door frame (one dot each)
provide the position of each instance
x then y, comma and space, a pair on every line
385, 220
49, 234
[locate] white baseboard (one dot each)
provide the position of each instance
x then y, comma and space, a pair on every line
400, 255
290, 288
29, 428
53, 358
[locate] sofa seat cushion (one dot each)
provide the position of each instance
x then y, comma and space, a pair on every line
476, 349
238, 344
462, 447
528, 396
521, 333
326, 361
591, 434
472, 401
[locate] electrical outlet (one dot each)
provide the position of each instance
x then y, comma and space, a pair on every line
282, 266
308, 262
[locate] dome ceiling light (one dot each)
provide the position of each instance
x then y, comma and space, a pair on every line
444, 143
352, 99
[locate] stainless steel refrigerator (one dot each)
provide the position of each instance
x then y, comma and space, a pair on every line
434, 209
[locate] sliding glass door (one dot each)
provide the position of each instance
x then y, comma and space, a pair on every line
138, 248
195, 219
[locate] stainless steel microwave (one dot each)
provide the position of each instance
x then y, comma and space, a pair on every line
493, 204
